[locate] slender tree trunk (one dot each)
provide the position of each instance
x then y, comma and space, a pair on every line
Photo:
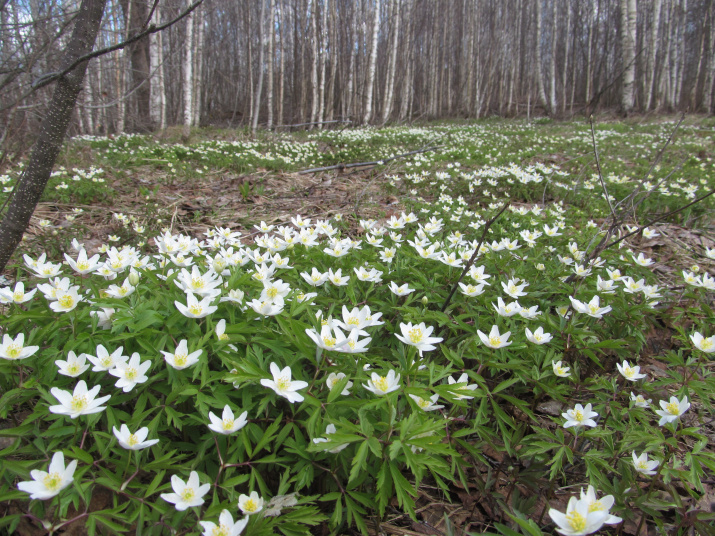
371, 68
121, 74
282, 16
390, 79
652, 53
323, 61
539, 68
589, 54
52, 131
314, 61
708, 102
628, 54
156, 62
348, 113
552, 60
198, 66
566, 70
261, 55
188, 75
269, 63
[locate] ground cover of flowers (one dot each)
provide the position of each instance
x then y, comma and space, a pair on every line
314, 375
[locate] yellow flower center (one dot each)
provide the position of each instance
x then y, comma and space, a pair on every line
195, 309
415, 335
272, 292
354, 321
197, 282
18, 296
132, 440
495, 341
73, 369
180, 359
223, 337
643, 465
381, 384
78, 403
329, 341
596, 506
131, 373
122, 291
83, 265
422, 403
188, 494
593, 309
52, 481
673, 408
283, 383
576, 521
220, 530
66, 301
13, 350
706, 344
250, 506
228, 424
578, 415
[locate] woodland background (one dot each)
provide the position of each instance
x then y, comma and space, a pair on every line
275, 62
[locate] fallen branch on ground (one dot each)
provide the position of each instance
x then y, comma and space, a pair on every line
371, 164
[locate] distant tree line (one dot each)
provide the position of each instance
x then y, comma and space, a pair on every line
268, 63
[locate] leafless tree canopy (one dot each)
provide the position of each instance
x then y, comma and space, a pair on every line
278, 62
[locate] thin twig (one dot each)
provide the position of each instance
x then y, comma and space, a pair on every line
373, 164
598, 167
474, 256
51, 77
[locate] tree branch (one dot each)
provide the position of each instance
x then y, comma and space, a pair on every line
51, 77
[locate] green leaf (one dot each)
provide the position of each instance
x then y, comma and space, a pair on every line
359, 461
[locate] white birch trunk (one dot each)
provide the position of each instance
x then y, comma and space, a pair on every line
552, 60
188, 75
323, 62
269, 63
652, 52
539, 69
390, 80
198, 66
628, 54
261, 55
314, 63
157, 89
371, 68
281, 65
708, 103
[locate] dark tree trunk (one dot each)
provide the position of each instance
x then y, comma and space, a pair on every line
52, 131
139, 58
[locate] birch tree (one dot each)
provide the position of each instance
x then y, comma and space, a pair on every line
371, 67
188, 76
261, 53
628, 54
52, 133
157, 108
392, 66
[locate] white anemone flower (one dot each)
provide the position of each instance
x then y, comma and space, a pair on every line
181, 358
538, 336
495, 339
227, 424
79, 402
46, 484
226, 526
186, 494
382, 385
73, 366
283, 385
133, 441
14, 349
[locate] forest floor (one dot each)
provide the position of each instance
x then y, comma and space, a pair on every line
227, 179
